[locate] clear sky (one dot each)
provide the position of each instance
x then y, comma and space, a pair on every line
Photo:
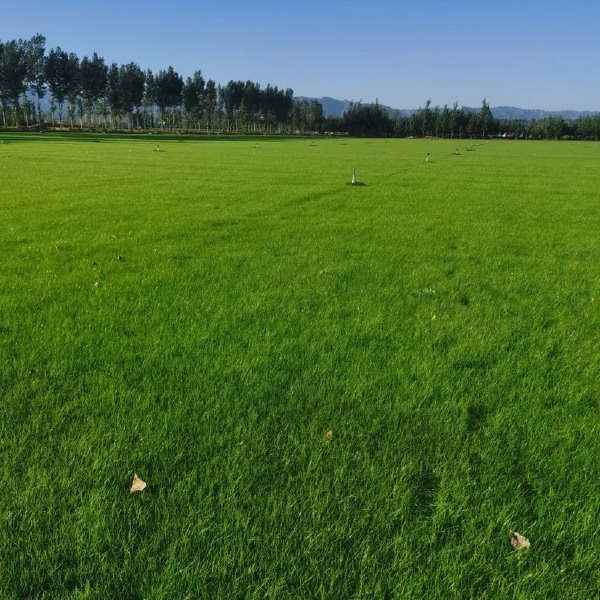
526, 53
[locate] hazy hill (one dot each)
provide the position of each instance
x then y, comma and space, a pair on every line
526, 114
336, 108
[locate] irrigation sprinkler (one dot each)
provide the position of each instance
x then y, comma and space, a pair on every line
355, 181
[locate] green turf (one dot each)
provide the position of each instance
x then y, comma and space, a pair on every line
203, 315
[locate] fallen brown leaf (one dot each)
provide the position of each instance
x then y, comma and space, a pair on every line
518, 542
137, 485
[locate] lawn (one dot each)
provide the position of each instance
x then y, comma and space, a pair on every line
332, 391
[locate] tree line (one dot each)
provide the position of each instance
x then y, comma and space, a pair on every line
89, 93
373, 120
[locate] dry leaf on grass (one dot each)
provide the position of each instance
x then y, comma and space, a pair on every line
137, 485
518, 542
329, 435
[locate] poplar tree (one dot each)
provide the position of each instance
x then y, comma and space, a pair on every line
93, 79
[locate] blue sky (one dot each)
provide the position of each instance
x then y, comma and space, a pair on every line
526, 53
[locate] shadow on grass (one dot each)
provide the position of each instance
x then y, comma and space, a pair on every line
146, 136
475, 418
423, 494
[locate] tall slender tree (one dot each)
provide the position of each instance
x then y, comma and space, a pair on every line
62, 75
3, 91
283, 107
131, 85
94, 79
113, 94
486, 119
250, 105
149, 99
72, 78
168, 86
193, 99
427, 119
233, 95
13, 78
454, 120
36, 61
210, 102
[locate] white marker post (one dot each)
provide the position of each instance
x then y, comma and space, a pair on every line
353, 177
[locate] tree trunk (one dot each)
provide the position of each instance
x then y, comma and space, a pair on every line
39, 109
17, 107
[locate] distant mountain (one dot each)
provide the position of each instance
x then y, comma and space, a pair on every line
336, 108
525, 114
331, 106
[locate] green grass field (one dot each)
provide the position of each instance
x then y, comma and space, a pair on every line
202, 316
